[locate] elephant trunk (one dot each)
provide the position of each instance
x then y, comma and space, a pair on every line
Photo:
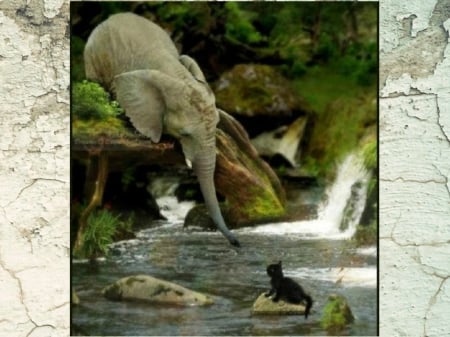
204, 166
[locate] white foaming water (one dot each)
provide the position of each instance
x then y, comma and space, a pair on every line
175, 211
163, 189
347, 277
369, 251
331, 212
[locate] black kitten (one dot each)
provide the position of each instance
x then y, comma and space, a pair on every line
286, 289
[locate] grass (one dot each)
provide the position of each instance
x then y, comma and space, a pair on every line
102, 226
103, 229
342, 109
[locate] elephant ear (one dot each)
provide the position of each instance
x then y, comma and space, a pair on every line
138, 93
193, 68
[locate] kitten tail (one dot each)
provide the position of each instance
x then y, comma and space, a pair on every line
309, 303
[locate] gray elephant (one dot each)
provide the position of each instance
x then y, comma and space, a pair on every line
161, 92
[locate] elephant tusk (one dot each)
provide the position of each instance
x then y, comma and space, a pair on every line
188, 163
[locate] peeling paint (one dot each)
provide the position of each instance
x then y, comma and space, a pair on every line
415, 169
34, 168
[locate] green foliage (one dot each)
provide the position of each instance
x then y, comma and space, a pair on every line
101, 227
77, 63
128, 176
298, 69
359, 62
91, 101
93, 113
366, 235
125, 228
180, 15
239, 24
340, 112
326, 49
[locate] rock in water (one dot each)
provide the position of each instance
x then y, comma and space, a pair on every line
150, 289
336, 314
265, 306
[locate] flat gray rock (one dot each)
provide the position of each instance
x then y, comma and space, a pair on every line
265, 306
151, 289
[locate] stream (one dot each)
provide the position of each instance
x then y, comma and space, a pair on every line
316, 253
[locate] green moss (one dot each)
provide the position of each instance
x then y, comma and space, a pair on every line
369, 152
265, 204
366, 235
255, 94
341, 111
133, 279
94, 113
91, 101
113, 292
336, 314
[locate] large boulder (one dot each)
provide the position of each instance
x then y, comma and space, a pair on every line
265, 306
255, 89
150, 289
252, 190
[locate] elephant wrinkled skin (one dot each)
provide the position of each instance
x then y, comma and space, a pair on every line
161, 92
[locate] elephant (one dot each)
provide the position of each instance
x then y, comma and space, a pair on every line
161, 91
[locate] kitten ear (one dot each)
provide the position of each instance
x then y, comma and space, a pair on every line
279, 263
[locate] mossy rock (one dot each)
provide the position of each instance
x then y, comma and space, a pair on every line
253, 89
150, 289
252, 190
265, 306
336, 314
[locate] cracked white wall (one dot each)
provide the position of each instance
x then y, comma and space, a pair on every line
34, 168
414, 168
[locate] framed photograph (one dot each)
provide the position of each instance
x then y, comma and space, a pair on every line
224, 168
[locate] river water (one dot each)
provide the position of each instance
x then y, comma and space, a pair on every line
315, 253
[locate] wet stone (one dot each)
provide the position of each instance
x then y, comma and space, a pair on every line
150, 289
265, 306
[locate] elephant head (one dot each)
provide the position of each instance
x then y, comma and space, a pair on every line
184, 107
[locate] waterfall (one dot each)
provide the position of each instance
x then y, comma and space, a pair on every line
340, 211
338, 214
346, 197
163, 190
